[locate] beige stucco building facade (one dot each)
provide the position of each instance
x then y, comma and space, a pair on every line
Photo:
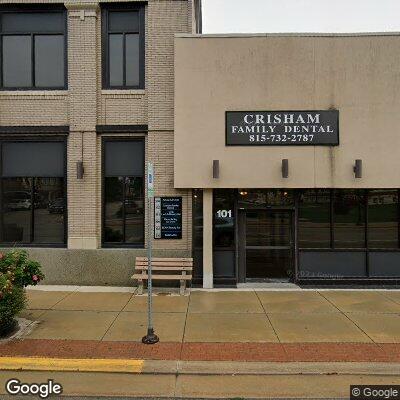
292, 203
356, 75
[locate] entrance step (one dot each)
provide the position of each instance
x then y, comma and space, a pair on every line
267, 285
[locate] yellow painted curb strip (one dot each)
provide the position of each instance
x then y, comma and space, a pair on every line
70, 365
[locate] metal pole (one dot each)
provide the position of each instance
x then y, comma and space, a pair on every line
151, 337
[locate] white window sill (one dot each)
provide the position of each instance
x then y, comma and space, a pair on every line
33, 93
136, 92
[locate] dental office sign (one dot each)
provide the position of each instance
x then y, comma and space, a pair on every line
266, 128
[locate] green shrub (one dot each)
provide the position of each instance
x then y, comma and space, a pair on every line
11, 304
16, 272
20, 268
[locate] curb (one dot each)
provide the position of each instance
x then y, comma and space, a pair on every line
138, 366
70, 365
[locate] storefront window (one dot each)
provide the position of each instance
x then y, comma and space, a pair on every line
263, 198
349, 218
280, 198
315, 219
383, 219
252, 198
123, 192
17, 209
49, 210
33, 193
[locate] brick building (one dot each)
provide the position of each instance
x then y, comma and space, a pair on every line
86, 100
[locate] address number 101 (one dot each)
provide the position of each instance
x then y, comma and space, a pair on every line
224, 213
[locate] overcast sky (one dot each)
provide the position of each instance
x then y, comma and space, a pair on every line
235, 16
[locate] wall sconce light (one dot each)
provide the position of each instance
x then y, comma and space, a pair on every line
285, 168
357, 168
215, 169
79, 170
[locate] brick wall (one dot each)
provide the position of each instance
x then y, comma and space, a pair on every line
33, 108
86, 104
82, 100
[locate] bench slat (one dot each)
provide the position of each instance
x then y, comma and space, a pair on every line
163, 277
165, 259
156, 268
164, 264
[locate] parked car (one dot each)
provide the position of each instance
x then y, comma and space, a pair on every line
56, 206
18, 200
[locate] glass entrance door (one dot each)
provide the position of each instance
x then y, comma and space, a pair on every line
268, 245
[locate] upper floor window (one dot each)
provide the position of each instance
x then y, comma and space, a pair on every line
33, 48
123, 47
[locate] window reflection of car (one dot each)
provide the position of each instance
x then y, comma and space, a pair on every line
56, 206
18, 200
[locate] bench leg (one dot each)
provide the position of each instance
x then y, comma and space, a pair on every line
183, 284
140, 286
182, 288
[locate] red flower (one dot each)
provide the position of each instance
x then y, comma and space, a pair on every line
35, 278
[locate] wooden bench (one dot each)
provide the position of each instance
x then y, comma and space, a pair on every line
181, 269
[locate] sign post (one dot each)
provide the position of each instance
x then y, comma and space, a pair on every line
151, 337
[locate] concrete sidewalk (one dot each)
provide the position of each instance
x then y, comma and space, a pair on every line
264, 326
213, 344
219, 316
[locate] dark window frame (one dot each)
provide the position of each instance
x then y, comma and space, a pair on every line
365, 213
297, 195
234, 211
378, 249
106, 8
197, 250
35, 9
124, 244
367, 246
35, 139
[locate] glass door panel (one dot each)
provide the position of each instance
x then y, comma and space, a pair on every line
268, 244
